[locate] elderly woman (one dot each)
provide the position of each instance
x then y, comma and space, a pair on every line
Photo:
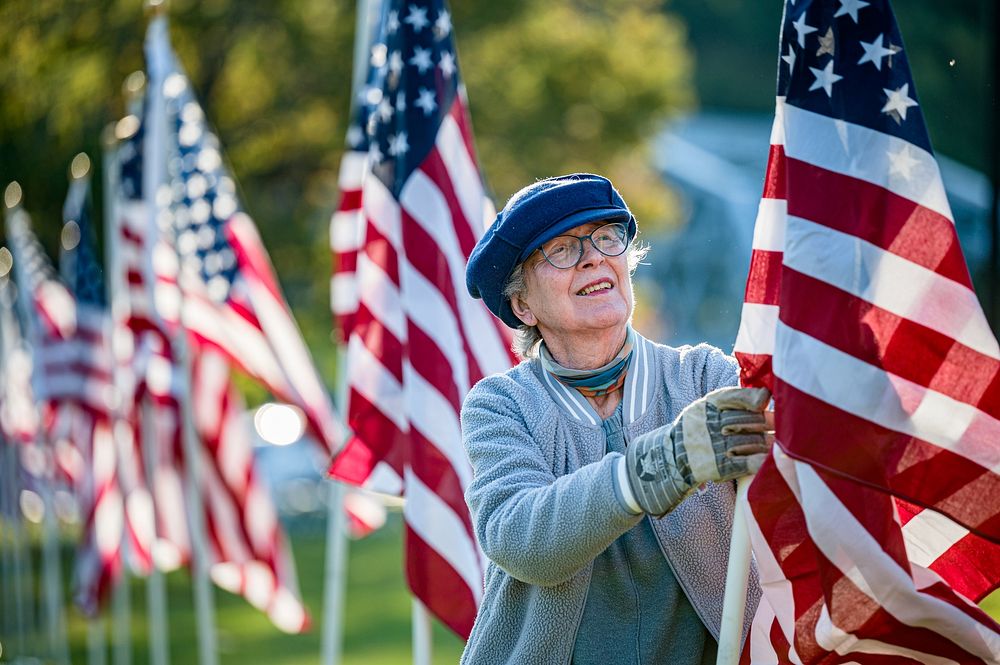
599, 461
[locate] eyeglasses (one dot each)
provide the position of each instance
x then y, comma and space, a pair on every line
565, 252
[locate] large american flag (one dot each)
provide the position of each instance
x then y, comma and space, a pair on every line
417, 342
875, 524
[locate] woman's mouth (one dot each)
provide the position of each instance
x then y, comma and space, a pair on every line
603, 285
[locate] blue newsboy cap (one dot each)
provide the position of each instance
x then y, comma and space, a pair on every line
533, 216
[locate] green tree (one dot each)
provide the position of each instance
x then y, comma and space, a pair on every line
554, 86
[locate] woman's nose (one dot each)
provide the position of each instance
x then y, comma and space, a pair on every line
591, 256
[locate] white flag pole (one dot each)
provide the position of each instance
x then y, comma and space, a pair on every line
156, 589
737, 577
13, 588
54, 606
121, 637
422, 645
335, 576
97, 644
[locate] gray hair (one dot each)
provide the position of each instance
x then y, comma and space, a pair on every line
526, 338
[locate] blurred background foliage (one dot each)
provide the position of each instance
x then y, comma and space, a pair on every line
554, 86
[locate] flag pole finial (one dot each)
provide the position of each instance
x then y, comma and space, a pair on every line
80, 166
12, 195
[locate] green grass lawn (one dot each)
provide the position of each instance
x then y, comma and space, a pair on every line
377, 609
376, 629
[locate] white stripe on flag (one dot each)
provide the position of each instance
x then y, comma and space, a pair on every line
758, 325
352, 170
889, 282
769, 231
928, 535
370, 378
382, 212
833, 638
835, 145
890, 401
344, 293
380, 295
435, 522
434, 416
848, 546
429, 311
463, 174
346, 228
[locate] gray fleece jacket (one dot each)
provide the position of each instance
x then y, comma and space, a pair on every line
544, 504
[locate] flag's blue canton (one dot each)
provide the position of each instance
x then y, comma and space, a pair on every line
845, 59
203, 194
412, 82
130, 163
87, 279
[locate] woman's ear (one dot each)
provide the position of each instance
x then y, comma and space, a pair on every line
522, 311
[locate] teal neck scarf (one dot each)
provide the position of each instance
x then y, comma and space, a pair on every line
592, 382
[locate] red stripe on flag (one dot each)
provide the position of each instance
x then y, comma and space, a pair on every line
438, 585
756, 369
774, 178
437, 473
911, 468
878, 216
890, 342
764, 280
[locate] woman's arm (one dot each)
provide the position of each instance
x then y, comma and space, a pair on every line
539, 528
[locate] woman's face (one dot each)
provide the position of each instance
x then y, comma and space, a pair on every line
594, 295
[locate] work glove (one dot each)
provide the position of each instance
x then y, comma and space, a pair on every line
718, 437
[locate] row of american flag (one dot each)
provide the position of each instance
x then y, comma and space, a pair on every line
875, 526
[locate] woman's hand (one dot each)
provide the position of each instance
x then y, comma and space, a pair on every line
724, 435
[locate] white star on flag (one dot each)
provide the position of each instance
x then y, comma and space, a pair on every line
421, 59
789, 57
401, 101
899, 100
850, 7
417, 18
447, 64
398, 145
802, 29
392, 22
426, 101
825, 78
901, 162
874, 52
442, 26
